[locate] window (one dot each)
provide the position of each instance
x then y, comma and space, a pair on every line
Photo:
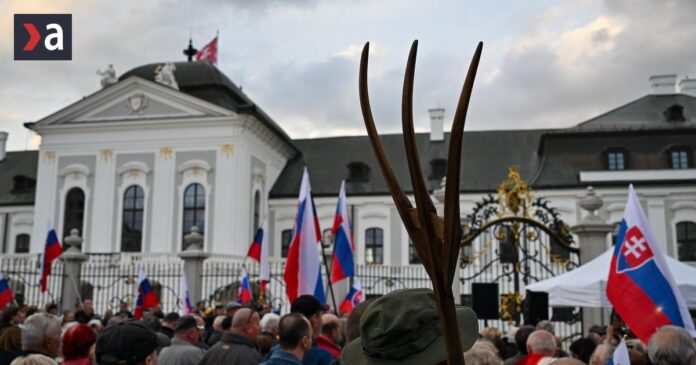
616, 160
132, 226
22, 243
675, 113
686, 241
679, 158
413, 257
358, 172
285, 238
194, 210
257, 211
74, 211
374, 246
438, 168
23, 185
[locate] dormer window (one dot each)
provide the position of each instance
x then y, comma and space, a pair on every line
358, 172
438, 169
675, 113
23, 184
679, 158
616, 159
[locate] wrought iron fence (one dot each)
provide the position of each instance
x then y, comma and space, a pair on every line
23, 273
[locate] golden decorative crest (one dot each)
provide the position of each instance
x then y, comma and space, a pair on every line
227, 150
165, 152
106, 155
510, 306
49, 156
514, 195
134, 173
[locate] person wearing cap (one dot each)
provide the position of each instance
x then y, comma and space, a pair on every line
403, 327
295, 340
183, 350
237, 346
129, 342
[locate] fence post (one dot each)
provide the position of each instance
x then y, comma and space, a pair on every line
592, 237
193, 258
72, 259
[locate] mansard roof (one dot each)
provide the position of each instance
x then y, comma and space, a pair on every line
20, 166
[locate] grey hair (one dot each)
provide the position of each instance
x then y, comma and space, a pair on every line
482, 353
37, 327
269, 322
34, 359
542, 342
672, 345
546, 326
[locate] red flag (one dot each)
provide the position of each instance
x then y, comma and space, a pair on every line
209, 52
52, 251
6, 296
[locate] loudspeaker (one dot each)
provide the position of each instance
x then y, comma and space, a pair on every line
485, 300
536, 307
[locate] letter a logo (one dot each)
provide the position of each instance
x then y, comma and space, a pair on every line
43, 37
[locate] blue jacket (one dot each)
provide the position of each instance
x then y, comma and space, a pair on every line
280, 357
315, 356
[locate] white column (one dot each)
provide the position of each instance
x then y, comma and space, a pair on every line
101, 232
46, 198
658, 222
163, 193
226, 208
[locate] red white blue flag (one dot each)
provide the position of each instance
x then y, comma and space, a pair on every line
303, 268
185, 296
147, 298
354, 297
343, 264
209, 52
52, 250
620, 356
6, 296
640, 286
259, 252
244, 296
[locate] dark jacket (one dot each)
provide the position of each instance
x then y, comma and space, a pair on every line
281, 357
232, 349
315, 356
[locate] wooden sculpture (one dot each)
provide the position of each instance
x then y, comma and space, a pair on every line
436, 239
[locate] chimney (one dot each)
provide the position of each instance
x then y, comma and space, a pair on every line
688, 86
437, 117
3, 142
663, 84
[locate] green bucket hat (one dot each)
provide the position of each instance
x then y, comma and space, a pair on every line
403, 328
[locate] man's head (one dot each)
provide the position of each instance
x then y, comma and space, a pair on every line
13, 315
41, 333
311, 308
329, 327
128, 343
200, 305
88, 307
541, 342
217, 323
170, 320
231, 308
521, 337
672, 345
187, 330
295, 333
246, 322
269, 323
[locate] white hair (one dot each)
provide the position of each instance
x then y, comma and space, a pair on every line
37, 327
541, 342
34, 359
269, 322
672, 345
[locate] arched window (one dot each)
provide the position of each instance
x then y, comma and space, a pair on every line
686, 241
257, 211
374, 246
74, 211
132, 227
194, 210
22, 243
285, 238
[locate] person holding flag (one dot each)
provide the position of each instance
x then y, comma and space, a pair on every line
303, 268
147, 298
640, 287
354, 297
185, 296
244, 296
259, 251
6, 296
342, 263
52, 250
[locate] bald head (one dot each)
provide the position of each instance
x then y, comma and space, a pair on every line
541, 342
241, 317
329, 326
672, 345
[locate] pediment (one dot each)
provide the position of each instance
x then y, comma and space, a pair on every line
134, 99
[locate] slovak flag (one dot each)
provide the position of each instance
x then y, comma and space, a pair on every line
303, 268
244, 296
185, 296
259, 252
354, 297
52, 251
640, 286
209, 52
147, 298
342, 266
6, 296
620, 356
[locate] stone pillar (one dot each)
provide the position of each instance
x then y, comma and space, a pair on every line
193, 263
592, 236
72, 259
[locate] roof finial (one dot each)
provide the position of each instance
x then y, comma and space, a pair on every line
190, 51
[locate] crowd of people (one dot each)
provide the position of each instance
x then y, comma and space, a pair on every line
400, 327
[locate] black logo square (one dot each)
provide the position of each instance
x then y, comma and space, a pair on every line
43, 37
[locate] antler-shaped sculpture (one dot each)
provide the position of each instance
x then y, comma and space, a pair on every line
436, 239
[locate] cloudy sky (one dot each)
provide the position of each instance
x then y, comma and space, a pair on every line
545, 64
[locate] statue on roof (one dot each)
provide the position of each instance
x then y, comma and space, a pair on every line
164, 74
108, 76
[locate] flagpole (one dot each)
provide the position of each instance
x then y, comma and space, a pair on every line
328, 276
